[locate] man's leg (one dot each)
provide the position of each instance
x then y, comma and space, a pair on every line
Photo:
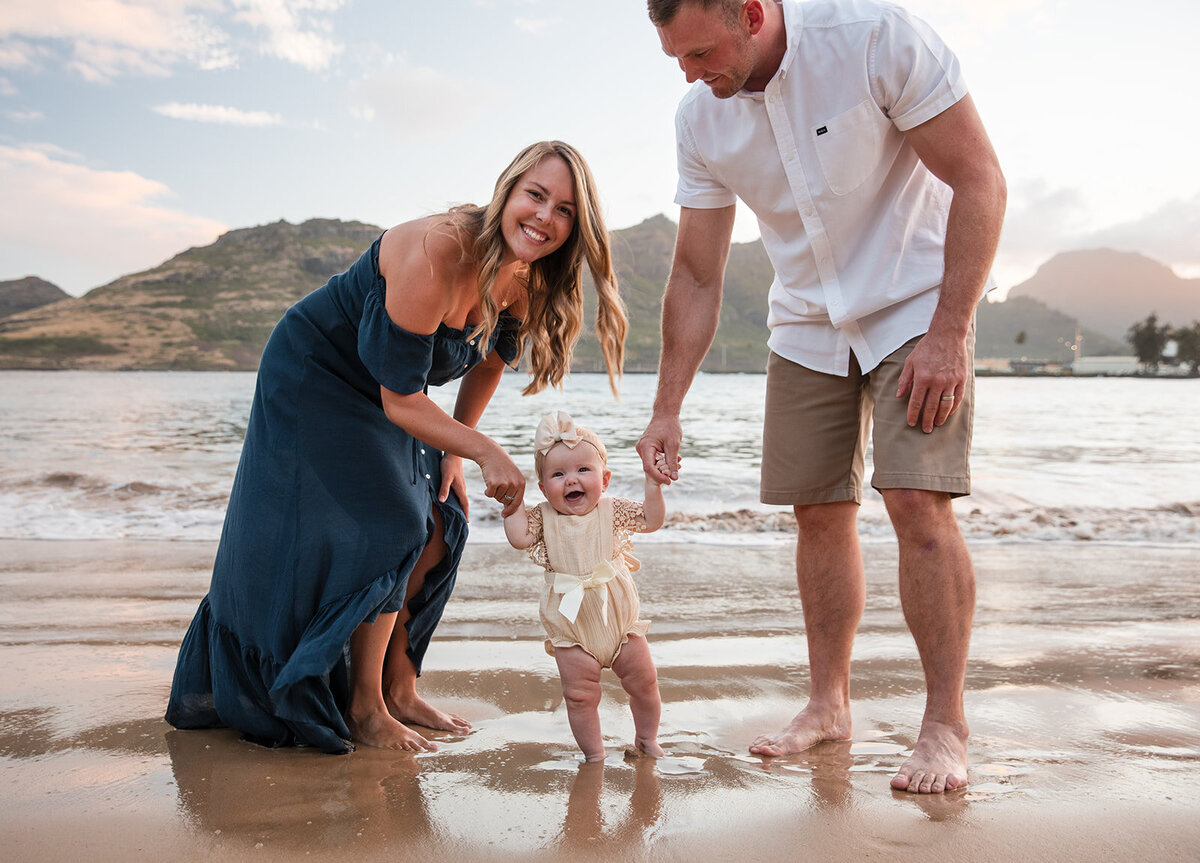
829, 572
937, 593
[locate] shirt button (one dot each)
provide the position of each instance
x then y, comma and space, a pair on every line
426, 476
422, 452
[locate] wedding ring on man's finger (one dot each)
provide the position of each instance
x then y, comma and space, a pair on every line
947, 398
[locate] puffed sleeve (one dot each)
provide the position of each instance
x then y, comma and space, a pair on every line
397, 359
627, 516
506, 338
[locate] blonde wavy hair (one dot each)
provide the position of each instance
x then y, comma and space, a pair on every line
555, 282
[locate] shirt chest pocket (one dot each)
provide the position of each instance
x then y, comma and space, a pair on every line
849, 146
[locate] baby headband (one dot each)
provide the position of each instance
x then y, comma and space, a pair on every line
557, 427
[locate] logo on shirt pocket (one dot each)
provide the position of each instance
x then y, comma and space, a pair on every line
849, 145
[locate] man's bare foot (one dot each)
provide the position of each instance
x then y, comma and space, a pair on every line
384, 732
808, 728
417, 711
938, 762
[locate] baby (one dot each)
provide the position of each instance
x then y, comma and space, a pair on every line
590, 604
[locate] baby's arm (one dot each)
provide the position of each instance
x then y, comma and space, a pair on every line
654, 511
516, 528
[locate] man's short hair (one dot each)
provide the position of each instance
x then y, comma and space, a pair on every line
662, 12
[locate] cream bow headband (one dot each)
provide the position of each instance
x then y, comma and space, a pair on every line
558, 427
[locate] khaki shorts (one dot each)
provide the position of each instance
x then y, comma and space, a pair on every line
817, 426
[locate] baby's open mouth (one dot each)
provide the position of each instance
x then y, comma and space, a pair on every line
573, 496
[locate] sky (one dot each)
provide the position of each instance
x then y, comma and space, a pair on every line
131, 130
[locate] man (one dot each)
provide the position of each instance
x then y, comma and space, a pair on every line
846, 127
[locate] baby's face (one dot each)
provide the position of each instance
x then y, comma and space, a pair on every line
573, 479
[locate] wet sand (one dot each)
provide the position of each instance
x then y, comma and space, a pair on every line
1083, 696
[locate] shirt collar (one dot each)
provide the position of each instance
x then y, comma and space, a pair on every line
792, 14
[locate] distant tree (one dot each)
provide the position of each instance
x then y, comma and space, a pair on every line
1148, 340
1188, 352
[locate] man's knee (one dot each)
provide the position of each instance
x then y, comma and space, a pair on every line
813, 520
917, 511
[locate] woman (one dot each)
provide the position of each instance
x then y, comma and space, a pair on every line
348, 513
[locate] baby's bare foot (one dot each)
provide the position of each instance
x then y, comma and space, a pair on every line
644, 748
938, 762
808, 728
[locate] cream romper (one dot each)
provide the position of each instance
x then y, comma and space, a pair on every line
588, 560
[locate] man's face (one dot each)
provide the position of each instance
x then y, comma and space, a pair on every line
709, 49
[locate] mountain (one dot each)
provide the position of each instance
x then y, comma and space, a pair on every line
1023, 328
1109, 291
28, 293
213, 307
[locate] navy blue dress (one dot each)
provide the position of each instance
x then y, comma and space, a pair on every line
331, 506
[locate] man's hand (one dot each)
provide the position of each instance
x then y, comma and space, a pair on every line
935, 379
659, 449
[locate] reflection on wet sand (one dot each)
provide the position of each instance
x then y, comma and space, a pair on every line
1083, 694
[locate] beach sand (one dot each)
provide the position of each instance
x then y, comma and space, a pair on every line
1083, 697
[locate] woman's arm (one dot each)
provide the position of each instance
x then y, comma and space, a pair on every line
423, 271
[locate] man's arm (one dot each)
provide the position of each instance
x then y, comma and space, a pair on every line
691, 311
955, 148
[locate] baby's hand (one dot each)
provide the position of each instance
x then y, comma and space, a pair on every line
660, 463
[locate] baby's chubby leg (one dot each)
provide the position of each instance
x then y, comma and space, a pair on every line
580, 675
635, 668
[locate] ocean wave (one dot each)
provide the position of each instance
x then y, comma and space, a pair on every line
1171, 523
76, 505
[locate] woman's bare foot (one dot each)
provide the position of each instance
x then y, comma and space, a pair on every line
938, 762
417, 711
808, 728
384, 732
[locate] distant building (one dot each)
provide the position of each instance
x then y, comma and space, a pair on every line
1105, 366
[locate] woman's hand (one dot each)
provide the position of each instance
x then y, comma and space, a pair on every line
454, 480
503, 480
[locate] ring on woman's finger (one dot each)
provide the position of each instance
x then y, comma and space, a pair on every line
507, 497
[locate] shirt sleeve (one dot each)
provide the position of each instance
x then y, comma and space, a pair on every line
697, 187
397, 359
914, 75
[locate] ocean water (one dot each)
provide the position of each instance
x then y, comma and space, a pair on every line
151, 455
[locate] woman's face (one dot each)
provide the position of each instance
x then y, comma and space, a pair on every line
540, 211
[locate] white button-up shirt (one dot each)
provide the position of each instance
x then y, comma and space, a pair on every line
852, 221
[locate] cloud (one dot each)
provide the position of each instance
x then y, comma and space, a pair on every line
1043, 221
535, 26
108, 38
1170, 234
79, 226
421, 102
102, 40
298, 31
218, 114
24, 116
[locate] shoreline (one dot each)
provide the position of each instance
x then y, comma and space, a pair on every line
1083, 697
